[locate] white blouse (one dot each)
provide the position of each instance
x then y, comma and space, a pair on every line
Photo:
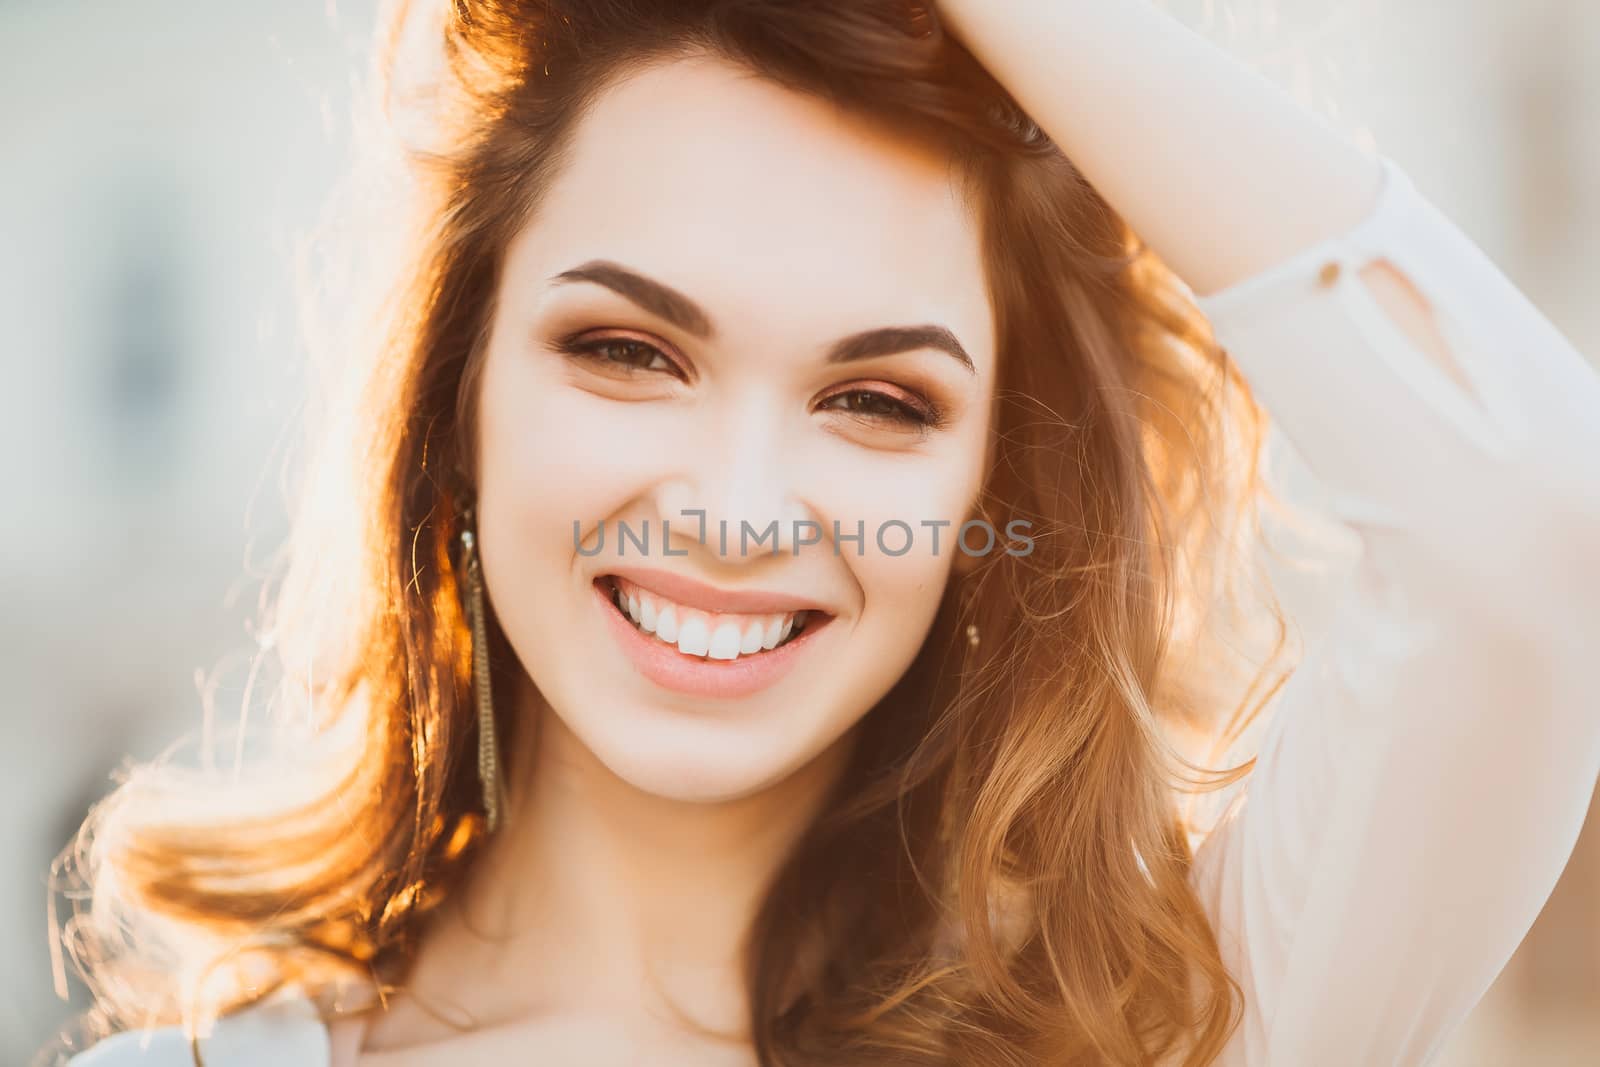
1424, 778
1426, 770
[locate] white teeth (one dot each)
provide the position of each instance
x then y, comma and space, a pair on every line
725, 641
751, 642
773, 634
693, 639
667, 625
697, 633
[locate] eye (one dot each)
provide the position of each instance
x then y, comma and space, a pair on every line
620, 355
871, 405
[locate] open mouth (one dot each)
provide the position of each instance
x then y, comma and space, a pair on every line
708, 636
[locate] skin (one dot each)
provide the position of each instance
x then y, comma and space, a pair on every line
652, 823
648, 822
1273, 177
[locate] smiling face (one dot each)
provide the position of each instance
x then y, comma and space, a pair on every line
733, 299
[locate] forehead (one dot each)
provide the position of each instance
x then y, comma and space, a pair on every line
762, 202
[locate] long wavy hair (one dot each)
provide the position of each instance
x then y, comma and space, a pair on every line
1002, 874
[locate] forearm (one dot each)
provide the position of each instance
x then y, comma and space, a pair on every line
1221, 172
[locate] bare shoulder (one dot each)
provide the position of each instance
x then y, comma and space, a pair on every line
264, 1035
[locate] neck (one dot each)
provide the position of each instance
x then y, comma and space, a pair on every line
597, 896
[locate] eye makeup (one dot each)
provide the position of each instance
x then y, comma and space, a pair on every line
879, 405
620, 355
883, 401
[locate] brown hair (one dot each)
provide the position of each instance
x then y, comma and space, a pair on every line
1002, 876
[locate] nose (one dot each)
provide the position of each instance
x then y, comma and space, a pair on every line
736, 497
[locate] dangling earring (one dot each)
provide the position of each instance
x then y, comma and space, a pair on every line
969, 591
488, 743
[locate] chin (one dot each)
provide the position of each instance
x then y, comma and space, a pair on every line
695, 759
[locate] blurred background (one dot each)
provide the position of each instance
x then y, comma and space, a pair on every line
162, 160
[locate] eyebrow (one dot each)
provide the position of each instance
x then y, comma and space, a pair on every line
667, 303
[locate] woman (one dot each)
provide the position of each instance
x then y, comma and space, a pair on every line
823, 271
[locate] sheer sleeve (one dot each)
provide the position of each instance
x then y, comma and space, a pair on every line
269, 1034
1429, 766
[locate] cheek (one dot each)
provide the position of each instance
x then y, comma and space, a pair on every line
908, 511
901, 597
907, 507
550, 454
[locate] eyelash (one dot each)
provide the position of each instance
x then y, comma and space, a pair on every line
918, 413
594, 351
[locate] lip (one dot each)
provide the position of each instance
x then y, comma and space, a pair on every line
664, 665
693, 594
